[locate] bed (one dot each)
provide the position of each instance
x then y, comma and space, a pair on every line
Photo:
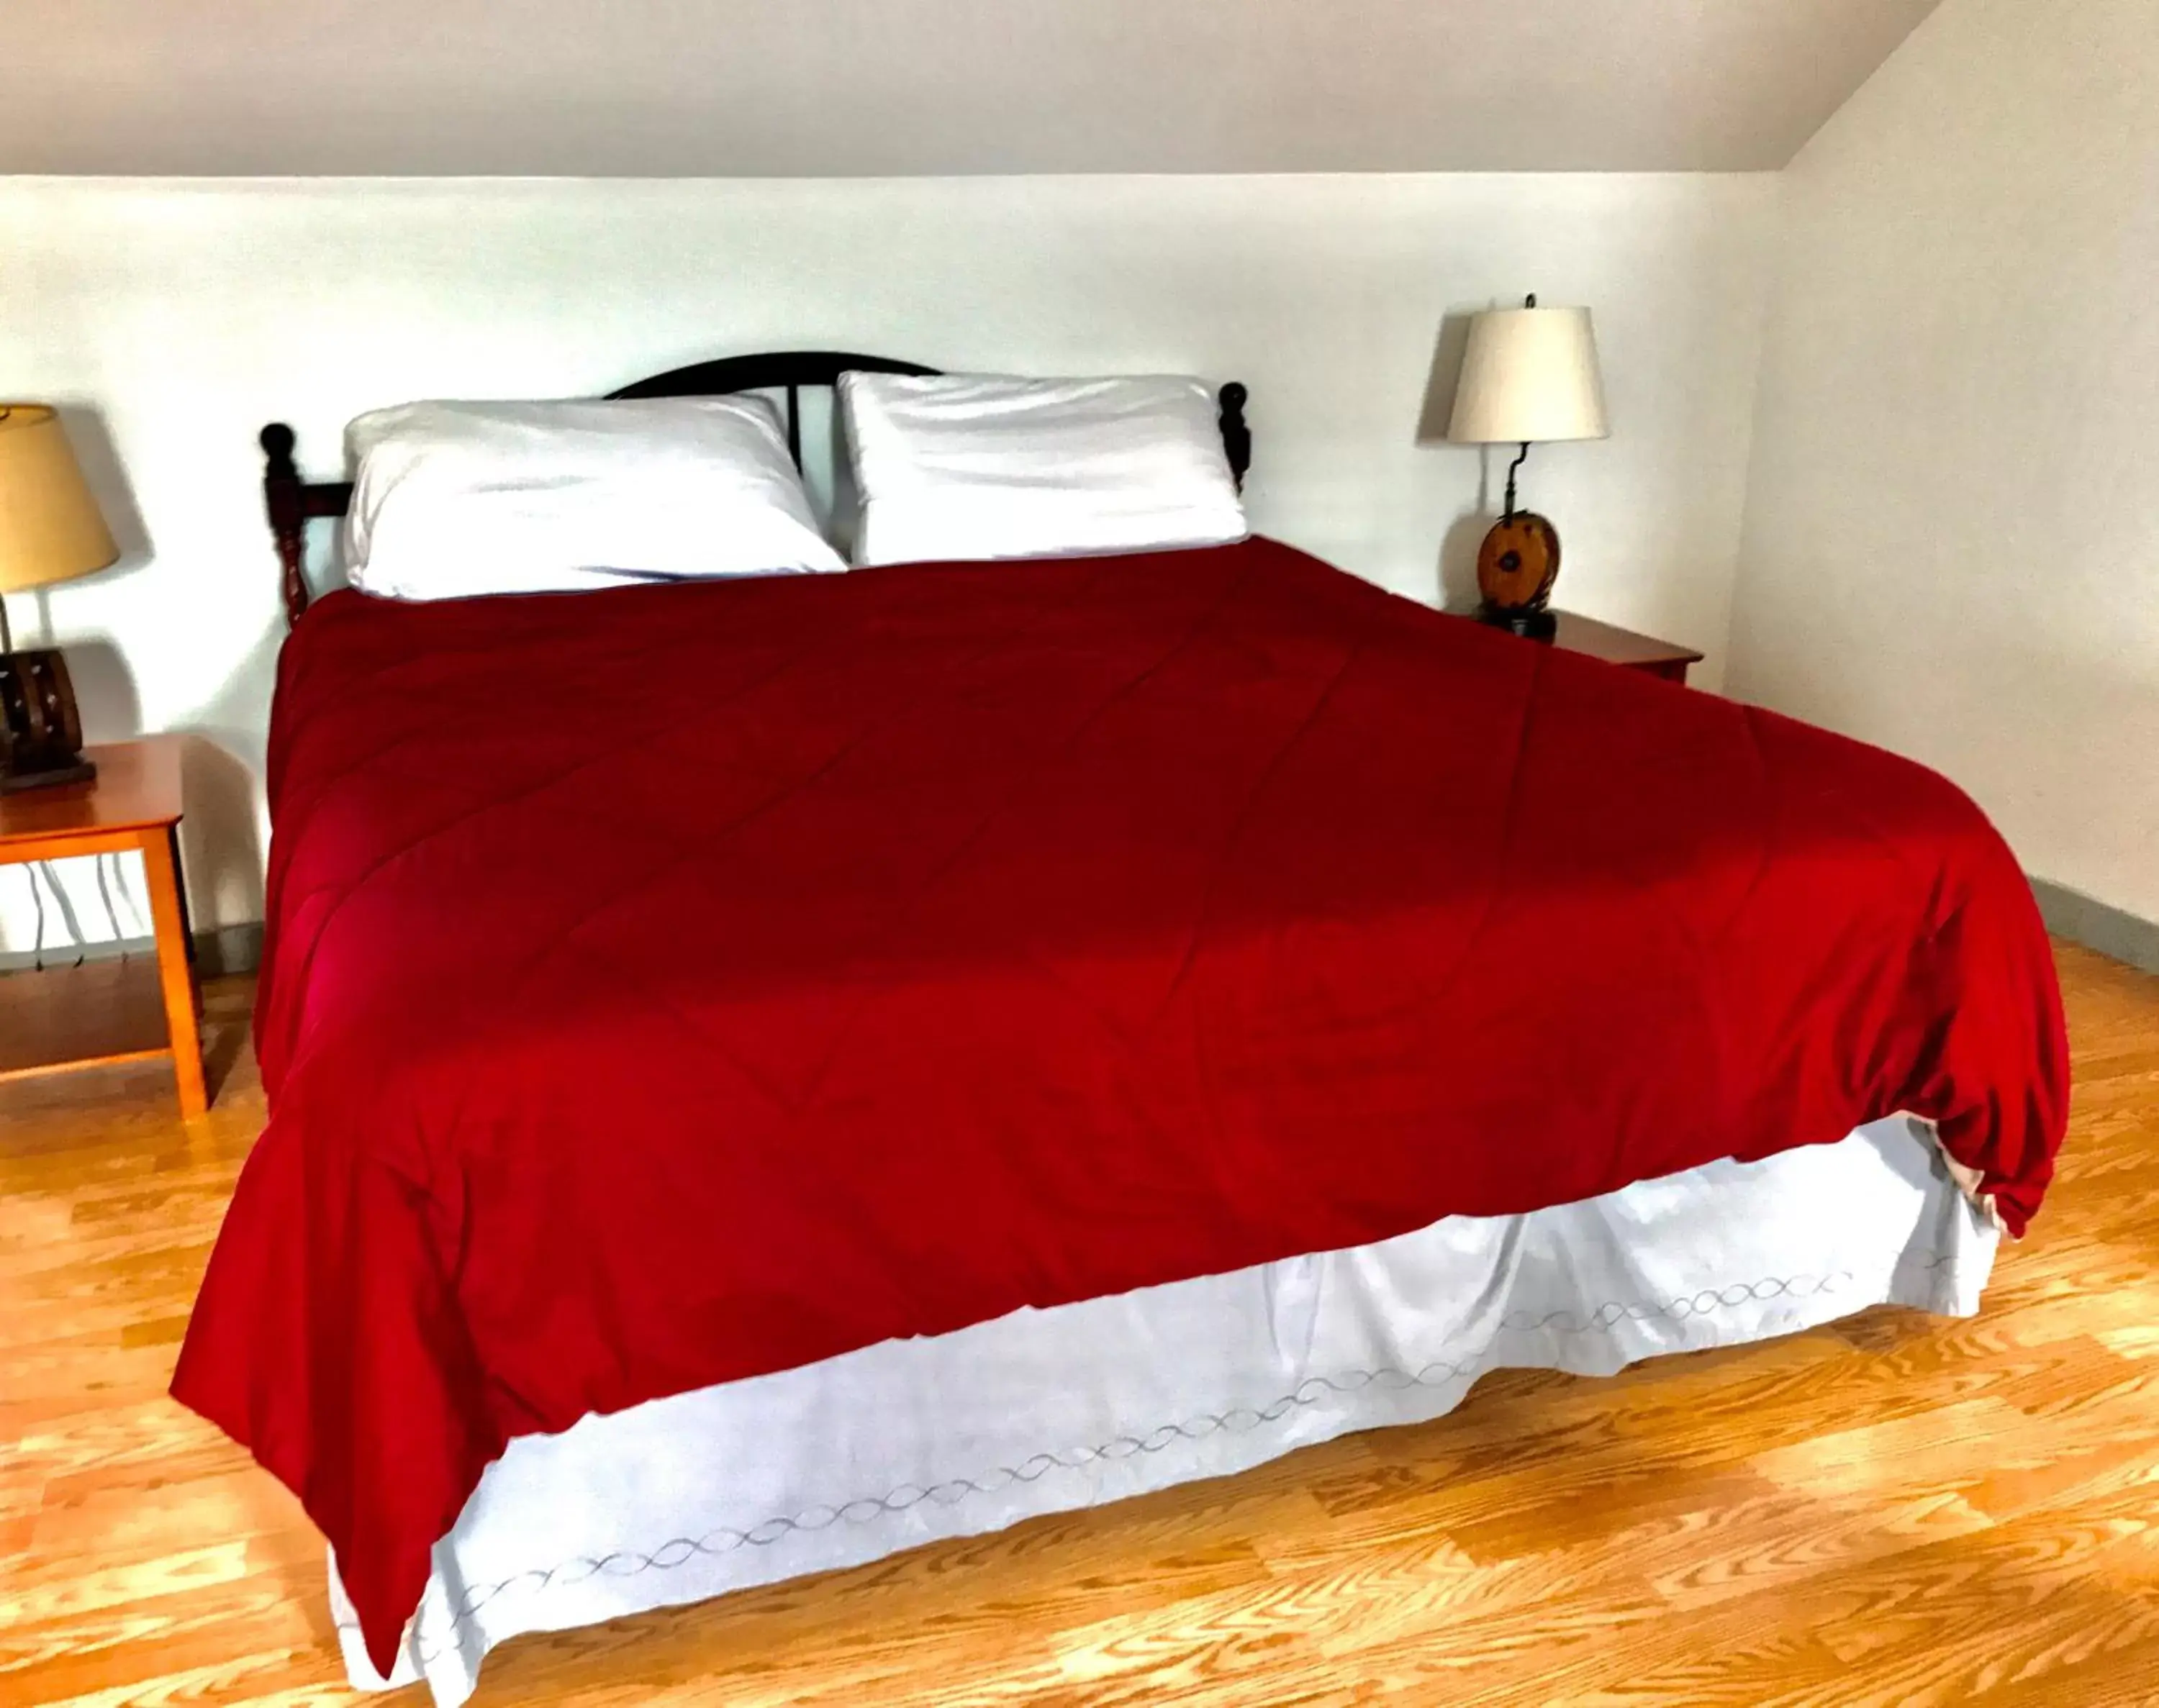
764, 1074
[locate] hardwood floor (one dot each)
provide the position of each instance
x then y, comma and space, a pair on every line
1901, 1510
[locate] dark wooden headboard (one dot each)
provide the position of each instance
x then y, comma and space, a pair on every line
293, 503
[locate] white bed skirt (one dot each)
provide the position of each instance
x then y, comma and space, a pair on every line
859, 1457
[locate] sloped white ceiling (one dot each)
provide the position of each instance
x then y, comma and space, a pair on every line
869, 87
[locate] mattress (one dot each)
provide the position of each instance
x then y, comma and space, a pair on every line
861, 1456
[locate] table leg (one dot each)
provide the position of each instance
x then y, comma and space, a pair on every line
176, 969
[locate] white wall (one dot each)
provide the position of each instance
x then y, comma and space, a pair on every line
177, 317
1952, 543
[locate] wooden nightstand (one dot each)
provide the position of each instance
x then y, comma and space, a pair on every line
1619, 646
113, 1011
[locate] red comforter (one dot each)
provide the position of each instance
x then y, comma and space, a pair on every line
673, 984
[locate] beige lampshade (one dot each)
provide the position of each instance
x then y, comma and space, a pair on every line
1529, 376
50, 526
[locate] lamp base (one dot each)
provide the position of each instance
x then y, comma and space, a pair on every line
40, 732
1518, 562
1537, 623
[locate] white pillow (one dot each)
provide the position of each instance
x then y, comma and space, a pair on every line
977, 466
452, 499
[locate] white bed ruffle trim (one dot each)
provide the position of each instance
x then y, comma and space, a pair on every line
1969, 1181
1044, 1412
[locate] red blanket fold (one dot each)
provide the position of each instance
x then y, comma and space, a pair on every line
674, 984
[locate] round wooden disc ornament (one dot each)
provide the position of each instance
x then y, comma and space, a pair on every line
1516, 567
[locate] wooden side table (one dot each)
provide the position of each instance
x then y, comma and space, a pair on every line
1620, 646
107, 1011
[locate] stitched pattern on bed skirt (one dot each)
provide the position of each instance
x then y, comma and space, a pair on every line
679, 1550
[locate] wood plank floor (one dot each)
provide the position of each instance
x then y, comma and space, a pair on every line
1899, 1511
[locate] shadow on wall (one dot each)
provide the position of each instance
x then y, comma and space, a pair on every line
104, 690
220, 839
1457, 549
108, 484
219, 843
1457, 556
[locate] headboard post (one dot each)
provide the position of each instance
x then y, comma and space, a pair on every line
283, 497
1236, 435
293, 503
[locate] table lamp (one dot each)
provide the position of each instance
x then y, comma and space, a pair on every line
50, 530
1528, 376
